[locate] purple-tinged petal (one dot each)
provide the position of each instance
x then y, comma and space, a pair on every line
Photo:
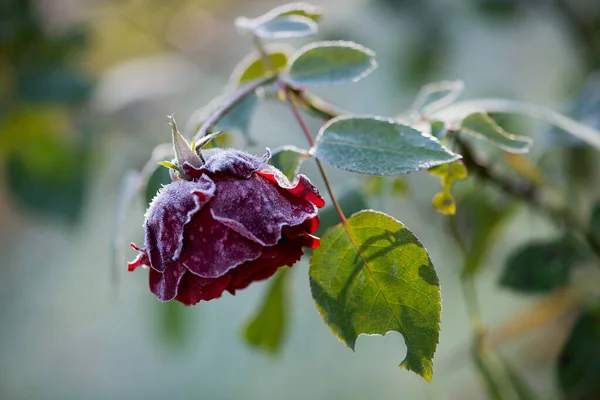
229, 161
212, 249
172, 208
257, 209
164, 284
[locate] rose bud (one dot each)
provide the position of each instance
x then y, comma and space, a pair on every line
230, 220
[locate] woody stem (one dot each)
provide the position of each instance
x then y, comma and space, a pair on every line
311, 142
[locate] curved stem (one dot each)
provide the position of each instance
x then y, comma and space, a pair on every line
238, 96
529, 194
311, 142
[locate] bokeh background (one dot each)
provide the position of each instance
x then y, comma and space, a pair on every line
85, 87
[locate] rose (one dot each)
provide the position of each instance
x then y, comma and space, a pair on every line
233, 220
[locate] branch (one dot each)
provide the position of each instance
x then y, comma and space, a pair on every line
528, 193
232, 102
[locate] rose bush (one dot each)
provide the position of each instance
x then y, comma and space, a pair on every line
233, 220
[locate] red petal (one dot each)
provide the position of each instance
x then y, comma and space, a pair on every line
303, 188
286, 252
192, 288
140, 260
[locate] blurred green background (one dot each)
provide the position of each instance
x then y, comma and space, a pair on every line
85, 87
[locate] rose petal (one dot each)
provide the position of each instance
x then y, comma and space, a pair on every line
286, 252
211, 249
170, 211
164, 284
257, 209
227, 161
303, 188
193, 288
141, 259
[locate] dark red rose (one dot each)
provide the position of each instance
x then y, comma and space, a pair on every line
234, 220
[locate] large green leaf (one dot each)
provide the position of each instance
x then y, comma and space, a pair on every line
579, 361
541, 267
330, 63
287, 27
288, 159
483, 126
265, 330
378, 146
373, 276
252, 66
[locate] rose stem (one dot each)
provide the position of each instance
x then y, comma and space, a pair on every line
231, 102
311, 142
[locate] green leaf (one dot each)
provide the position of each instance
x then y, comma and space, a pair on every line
266, 329
52, 84
157, 180
378, 146
351, 201
173, 323
438, 129
449, 173
458, 111
237, 119
288, 159
437, 95
330, 63
306, 10
480, 220
183, 151
579, 361
373, 276
169, 165
302, 9
541, 267
287, 27
595, 222
252, 66
43, 172
483, 126
380, 186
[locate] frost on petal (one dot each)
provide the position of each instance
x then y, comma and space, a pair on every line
193, 288
228, 161
169, 212
303, 188
211, 249
164, 284
257, 209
